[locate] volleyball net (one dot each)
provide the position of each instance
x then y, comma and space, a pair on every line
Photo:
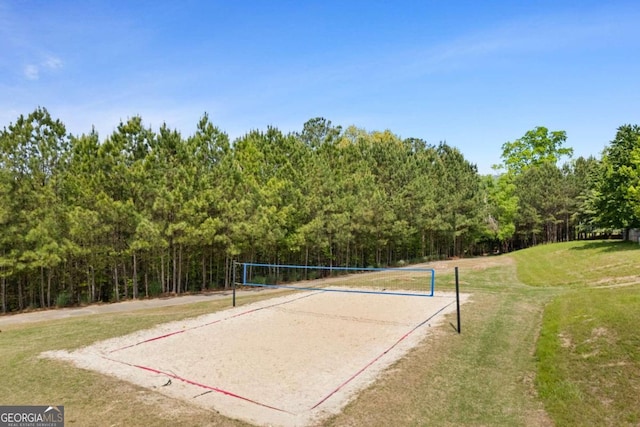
407, 281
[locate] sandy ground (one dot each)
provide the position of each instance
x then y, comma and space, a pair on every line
287, 361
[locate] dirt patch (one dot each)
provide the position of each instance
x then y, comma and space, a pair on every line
565, 341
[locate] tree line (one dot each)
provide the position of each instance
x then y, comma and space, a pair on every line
534, 200
142, 213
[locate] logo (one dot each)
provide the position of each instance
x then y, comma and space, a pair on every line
31, 416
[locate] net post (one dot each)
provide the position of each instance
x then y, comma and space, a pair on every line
458, 298
433, 281
233, 282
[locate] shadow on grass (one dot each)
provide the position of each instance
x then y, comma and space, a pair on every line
608, 246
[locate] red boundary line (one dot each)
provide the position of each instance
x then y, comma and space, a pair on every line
197, 384
354, 376
231, 394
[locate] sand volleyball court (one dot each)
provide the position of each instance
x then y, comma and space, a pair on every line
287, 361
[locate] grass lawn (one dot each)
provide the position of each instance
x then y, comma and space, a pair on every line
589, 370
589, 348
549, 337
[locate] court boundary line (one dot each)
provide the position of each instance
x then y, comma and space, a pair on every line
354, 376
250, 400
198, 384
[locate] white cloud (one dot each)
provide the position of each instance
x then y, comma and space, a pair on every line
32, 72
52, 63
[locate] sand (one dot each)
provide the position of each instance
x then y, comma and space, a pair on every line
287, 361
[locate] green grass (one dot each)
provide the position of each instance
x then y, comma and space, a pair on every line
589, 347
549, 337
589, 353
593, 263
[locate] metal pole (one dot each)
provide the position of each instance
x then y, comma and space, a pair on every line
458, 299
233, 280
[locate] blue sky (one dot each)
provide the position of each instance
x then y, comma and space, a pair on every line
472, 73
